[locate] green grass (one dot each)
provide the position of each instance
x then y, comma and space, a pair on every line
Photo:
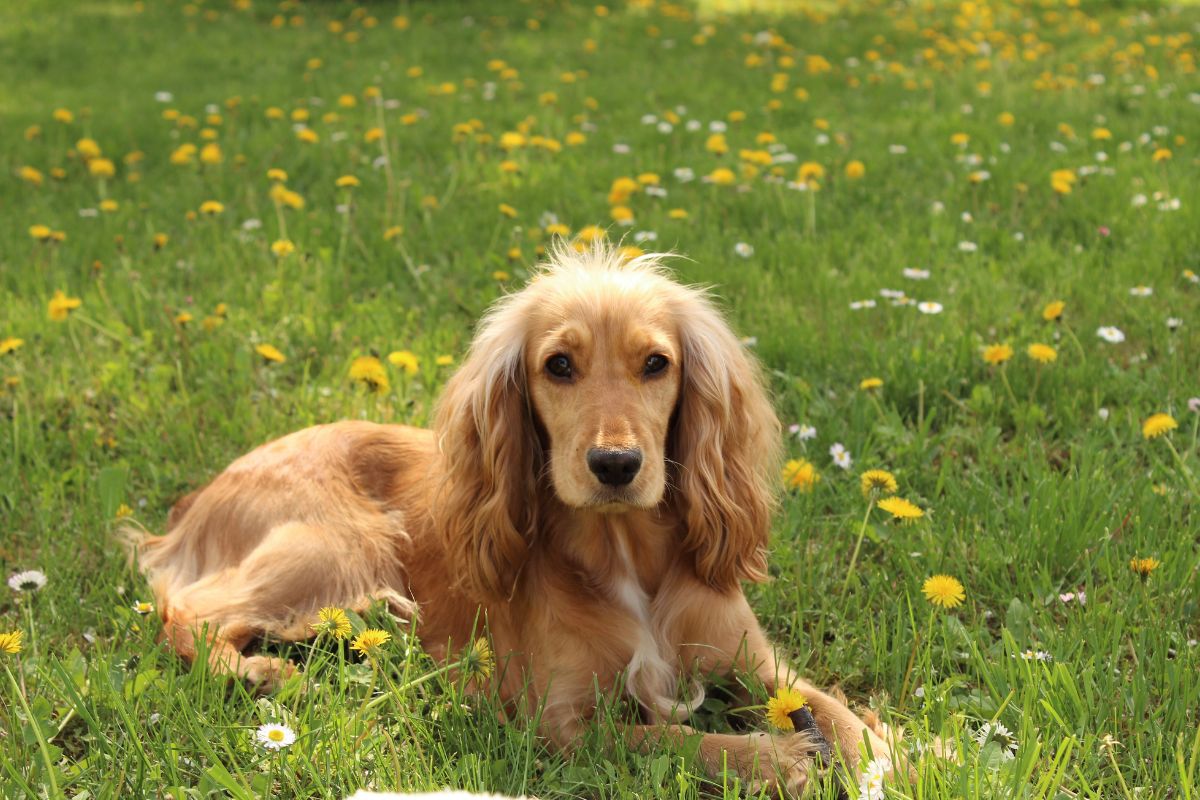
1030, 491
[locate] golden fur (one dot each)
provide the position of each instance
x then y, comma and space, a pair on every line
495, 515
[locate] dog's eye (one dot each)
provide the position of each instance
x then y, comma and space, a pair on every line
559, 366
655, 364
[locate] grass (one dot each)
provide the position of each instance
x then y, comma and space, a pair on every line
1036, 480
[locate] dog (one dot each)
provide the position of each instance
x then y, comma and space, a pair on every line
598, 482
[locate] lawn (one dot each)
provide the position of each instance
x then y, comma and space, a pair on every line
239, 199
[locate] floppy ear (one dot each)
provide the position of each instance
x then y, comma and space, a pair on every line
725, 441
485, 509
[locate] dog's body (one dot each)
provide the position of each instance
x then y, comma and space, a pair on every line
599, 483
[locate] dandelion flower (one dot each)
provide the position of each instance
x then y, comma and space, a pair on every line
785, 702
444, 360
1157, 425
10, 642
370, 641
212, 208
348, 182
282, 248
61, 306
996, 354
369, 370
270, 353
406, 361
333, 621
101, 168
274, 737
855, 170
28, 581
479, 662
901, 510
944, 591
1042, 353
869, 384
877, 482
10, 345
1053, 311
1142, 567
800, 474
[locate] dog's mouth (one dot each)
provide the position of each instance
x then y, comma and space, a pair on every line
616, 500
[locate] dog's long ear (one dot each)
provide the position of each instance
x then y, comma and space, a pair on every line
486, 507
726, 443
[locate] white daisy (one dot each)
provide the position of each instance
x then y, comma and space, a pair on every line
1111, 334
621, 149
744, 249
996, 732
1102, 413
870, 786
142, 607
28, 581
968, 247
841, 456
684, 174
805, 432
859, 305
1174, 322
1141, 291
1035, 655
929, 307
891, 294
1194, 405
274, 737
916, 274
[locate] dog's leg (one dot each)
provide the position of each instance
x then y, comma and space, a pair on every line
186, 633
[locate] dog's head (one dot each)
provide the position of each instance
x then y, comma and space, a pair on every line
613, 387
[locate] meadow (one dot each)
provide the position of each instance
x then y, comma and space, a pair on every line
961, 237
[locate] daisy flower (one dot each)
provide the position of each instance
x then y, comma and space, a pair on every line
859, 305
142, 607
744, 249
929, 307
28, 581
1111, 334
780, 707
901, 510
870, 786
996, 732
805, 432
1036, 655
274, 737
841, 456
1141, 291
916, 274
944, 591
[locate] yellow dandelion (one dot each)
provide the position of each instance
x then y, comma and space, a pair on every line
282, 248
406, 361
1142, 567
870, 384
722, 176
878, 481
479, 662
944, 591
901, 509
10, 642
996, 354
1157, 425
507, 210
277, 175
10, 345
1042, 353
333, 621
270, 353
212, 208
348, 182
444, 360
782, 705
810, 172
855, 170
369, 370
1053, 311
124, 511
61, 306
183, 318
800, 474
370, 641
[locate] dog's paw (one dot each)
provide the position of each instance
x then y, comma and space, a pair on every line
789, 764
266, 673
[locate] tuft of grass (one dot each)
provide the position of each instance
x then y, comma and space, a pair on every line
1037, 484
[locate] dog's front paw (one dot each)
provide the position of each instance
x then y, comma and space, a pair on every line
787, 764
265, 673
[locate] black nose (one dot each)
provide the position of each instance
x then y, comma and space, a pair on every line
614, 467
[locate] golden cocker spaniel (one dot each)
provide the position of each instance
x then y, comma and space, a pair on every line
598, 482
